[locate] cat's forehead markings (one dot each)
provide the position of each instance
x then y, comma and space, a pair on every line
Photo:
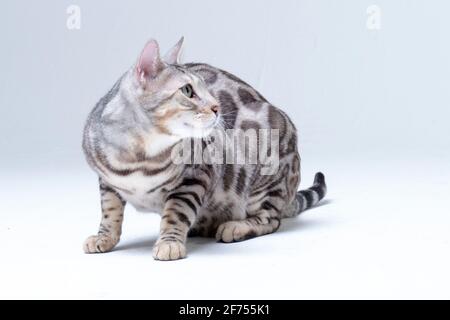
186, 74
192, 76
179, 68
195, 78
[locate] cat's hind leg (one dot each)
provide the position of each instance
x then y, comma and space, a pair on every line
233, 231
266, 220
265, 212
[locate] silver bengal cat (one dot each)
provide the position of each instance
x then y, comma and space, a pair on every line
159, 104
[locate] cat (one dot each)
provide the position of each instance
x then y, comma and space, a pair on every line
155, 107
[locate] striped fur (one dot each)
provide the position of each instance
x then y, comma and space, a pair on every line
134, 129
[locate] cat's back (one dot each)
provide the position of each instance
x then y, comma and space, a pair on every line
218, 79
236, 97
243, 107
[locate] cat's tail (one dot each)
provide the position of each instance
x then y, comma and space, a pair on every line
307, 198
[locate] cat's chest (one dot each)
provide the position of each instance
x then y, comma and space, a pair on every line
139, 190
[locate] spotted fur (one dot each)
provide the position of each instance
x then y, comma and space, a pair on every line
133, 130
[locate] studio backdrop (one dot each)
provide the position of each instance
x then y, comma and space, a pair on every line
366, 83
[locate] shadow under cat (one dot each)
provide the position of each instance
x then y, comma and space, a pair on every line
197, 244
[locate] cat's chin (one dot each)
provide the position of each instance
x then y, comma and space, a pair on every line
201, 133
195, 132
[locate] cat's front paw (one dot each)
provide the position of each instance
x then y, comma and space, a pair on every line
169, 250
99, 244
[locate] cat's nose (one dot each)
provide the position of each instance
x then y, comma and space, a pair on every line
215, 109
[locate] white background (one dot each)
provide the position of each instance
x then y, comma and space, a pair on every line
371, 106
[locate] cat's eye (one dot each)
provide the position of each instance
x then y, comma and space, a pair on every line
188, 91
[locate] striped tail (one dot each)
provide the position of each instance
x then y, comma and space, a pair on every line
307, 198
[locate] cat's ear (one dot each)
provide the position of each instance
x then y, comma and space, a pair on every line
149, 64
173, 55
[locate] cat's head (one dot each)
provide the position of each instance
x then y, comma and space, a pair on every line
176, 100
